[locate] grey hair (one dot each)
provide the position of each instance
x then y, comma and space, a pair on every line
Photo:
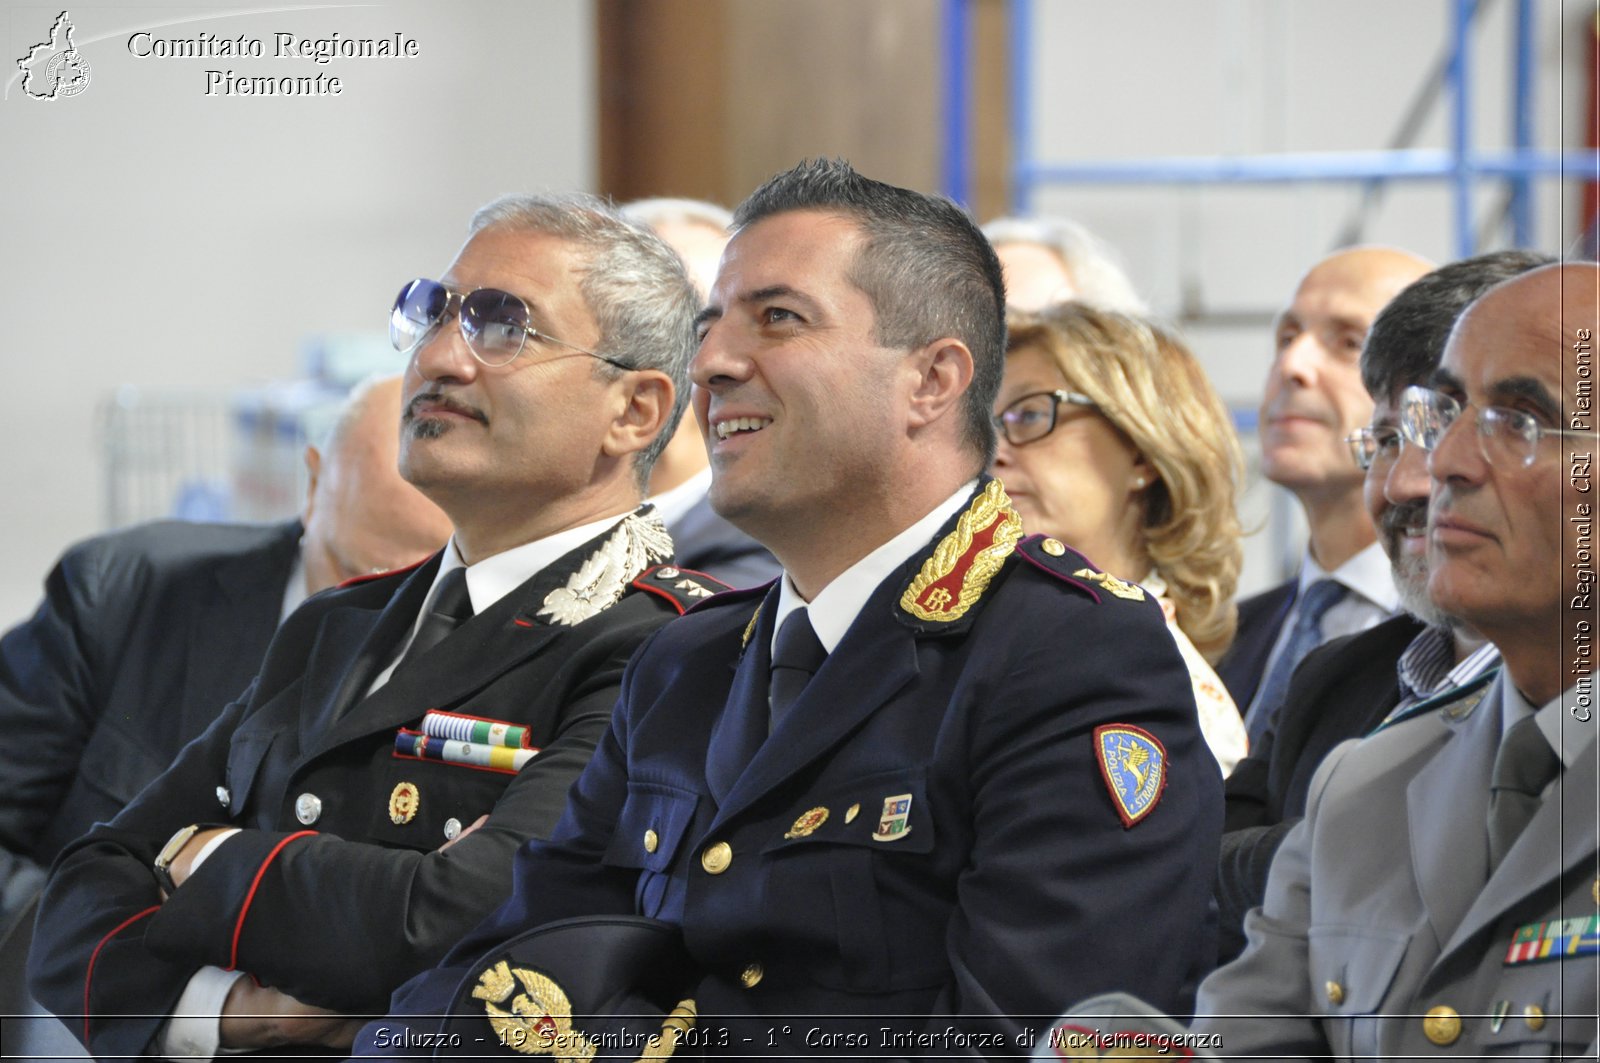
1096, 270
664, 210
632, 282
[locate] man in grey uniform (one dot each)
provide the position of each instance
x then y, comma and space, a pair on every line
1441, 896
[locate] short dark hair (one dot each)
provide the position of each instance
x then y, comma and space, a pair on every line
925, 267
1407, 337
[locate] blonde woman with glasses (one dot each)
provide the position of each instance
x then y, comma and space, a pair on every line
1113, 441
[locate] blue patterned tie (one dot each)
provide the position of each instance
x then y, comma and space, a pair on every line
797, 653
1304, 637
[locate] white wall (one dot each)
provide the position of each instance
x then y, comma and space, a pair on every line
158, 237
1210, 77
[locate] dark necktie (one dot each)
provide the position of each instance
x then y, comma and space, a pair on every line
796, 655
1523, 767
1304, 636
451, 608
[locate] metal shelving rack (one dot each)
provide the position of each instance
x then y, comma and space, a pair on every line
1463, 164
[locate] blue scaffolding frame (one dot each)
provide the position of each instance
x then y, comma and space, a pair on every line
1462, 164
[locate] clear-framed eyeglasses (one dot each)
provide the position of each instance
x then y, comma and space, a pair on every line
1032, 417
1506, 438
1373, 445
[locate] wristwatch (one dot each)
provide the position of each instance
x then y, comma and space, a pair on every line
169, 852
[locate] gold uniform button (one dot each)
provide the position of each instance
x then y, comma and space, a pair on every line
751, 976
717, 858
1053, 547
1442, 1025
1335, 993
651, 841
1533, 1015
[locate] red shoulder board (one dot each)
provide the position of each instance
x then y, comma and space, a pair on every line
680, 586
355, 581
1072, 568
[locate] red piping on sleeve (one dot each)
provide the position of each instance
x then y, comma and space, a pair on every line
88, 976
238, 927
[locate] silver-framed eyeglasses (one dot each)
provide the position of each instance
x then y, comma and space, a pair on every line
494, 323
1506, 438
1032, 417
1369, 444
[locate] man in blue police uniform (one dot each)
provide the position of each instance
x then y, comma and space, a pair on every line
1440, 896
938, 777
293, 863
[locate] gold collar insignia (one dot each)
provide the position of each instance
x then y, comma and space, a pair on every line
1121, 588
955, 577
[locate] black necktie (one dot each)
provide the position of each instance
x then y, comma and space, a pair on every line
796, 656
451, 607
1523, 767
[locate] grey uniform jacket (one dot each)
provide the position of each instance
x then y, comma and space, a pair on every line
1379, 908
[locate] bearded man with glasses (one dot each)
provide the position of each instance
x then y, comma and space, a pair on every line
1440, 894
355, 811
1346, 687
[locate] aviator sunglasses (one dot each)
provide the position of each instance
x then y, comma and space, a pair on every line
494, 323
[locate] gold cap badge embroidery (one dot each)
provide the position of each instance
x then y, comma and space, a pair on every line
537, 1021
955, 577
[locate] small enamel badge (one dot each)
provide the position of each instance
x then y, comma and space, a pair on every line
1133, 763
403, 802
808, 823
892, 824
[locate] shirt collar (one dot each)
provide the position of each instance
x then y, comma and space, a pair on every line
495, 577
1367, 574
675, 502
1428, 665
836, 606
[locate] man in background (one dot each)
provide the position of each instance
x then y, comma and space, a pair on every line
1346, 687
1313, 400
146, 633
1440, 894
697, 231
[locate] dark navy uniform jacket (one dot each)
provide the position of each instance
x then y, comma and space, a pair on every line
327, 894
1015, 886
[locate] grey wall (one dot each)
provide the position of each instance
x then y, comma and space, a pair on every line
158, 237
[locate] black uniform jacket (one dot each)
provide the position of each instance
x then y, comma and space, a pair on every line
336, 892
143, 636
927, 841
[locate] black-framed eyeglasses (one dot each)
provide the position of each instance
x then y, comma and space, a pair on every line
1369, 445
1032, 417
494, 323
1506, 438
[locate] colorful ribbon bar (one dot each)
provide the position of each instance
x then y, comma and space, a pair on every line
429, 747
460, 728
